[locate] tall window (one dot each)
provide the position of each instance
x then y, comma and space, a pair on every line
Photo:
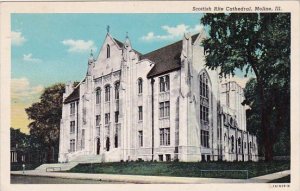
72, 127
140, 85
204, 138
107, 51
140, 133
72, 145
107, 93
117, 117
161, 109
98, 120
107, 144
107, 118
98, 94
232, 143
164, 109
164, 83
164, 135
140, 113
204, 98
116, 138
117, 87
72, 108
239, 145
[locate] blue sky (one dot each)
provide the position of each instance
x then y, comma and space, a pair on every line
48, 59
52, 48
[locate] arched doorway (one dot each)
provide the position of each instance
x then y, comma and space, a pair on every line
98, 146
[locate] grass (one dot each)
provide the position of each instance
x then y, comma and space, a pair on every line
184, 169
17, 167
286, 179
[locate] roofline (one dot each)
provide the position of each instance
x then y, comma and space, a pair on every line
168, 71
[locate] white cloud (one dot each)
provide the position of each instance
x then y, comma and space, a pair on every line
23, 92
172, 32
79, 45
17, 38
29, 58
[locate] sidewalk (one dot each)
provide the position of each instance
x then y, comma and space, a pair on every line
137, 179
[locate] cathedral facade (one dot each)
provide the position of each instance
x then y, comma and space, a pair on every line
164, 105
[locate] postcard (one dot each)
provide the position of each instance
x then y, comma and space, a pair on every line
166, 95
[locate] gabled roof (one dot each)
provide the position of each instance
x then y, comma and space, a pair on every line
73, 96
166, 59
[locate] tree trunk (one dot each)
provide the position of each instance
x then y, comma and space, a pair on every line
265, 124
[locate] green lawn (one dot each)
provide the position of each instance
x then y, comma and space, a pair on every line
286, 179
16, 167
186, 169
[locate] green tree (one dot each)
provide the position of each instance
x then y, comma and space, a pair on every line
46, 115
258, 42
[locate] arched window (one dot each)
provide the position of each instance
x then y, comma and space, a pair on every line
98, 95
107, 51
107, 93
204, 97
140, 85
117, 88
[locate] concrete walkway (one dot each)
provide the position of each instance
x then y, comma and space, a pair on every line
151, 179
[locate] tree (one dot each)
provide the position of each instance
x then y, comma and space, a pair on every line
258, 42
280, 136
46, 115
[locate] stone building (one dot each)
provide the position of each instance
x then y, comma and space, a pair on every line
164, 105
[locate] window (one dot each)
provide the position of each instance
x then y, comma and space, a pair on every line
107, 143
107, 118
164, 109
167, 109
107, 51
117, 117
204, 138
161, 109
98, 94
72, 127
72, 108
239, 144
167, 83
116, 138
98, 120
140, 134
72, 145
117, 87
107, 93
82, 138
168, 157
161, 157
140, 113
164, 83
140, 86
204, 98
232, 143
164, 134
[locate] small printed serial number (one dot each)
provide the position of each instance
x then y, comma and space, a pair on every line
280, 185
